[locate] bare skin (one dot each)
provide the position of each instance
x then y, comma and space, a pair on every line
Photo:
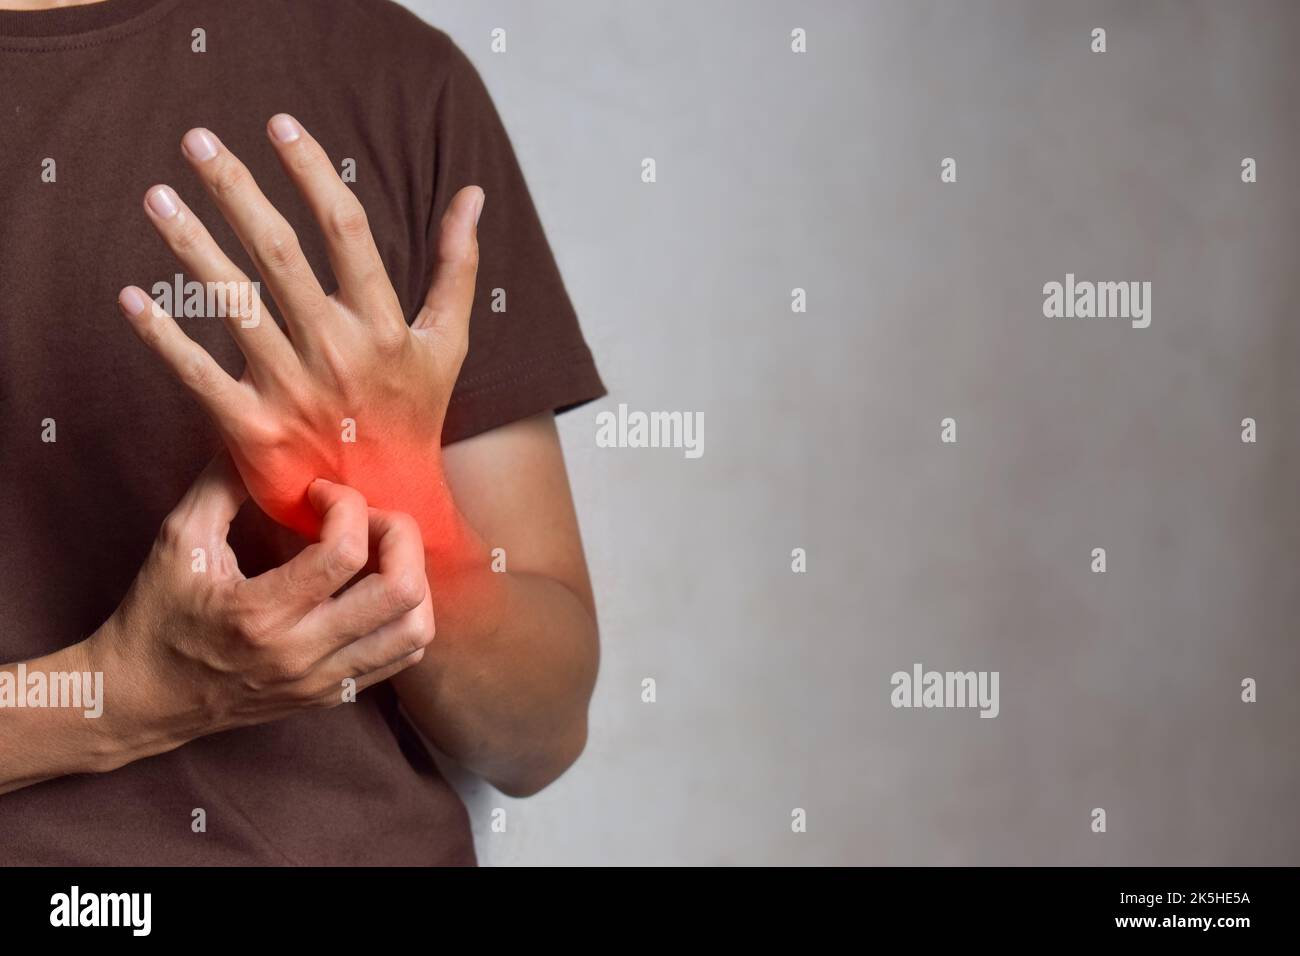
195, 647
505, 686
43, 4
504, 690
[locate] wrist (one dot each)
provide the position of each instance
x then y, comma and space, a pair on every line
128, 728
48, 721
449, 541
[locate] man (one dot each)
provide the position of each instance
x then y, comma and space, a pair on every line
260, 697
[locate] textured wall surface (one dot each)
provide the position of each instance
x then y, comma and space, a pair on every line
778, 170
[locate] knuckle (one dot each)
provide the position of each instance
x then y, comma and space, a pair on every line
187, 237
247, 312
421, 634
407, 590
412, 638
252, 628
172, 533
228, 178
391, 338
404, 525
278, 248
348, 220
297, 579
268, 675
347, 557
198, 374
262, 433
285, 669
354, 498
303, 160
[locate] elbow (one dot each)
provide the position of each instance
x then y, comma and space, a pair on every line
546, 764
551, 751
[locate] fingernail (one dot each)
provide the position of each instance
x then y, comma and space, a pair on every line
131, 300
284, 128
482, 198
199, 144
163, 202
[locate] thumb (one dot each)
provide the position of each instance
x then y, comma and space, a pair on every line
451, 296
215, 497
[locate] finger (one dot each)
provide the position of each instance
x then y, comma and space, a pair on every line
451, 296
381, 675
260, 339
215, 497
224, 399
319, 570
264, 233
398, 586
370, 679
394, 641
358, 267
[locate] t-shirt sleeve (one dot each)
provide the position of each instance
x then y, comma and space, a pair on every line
527, 355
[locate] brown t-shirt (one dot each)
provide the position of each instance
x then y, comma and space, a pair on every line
93, 102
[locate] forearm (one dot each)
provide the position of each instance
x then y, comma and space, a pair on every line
120, 723
41, 742
504, 687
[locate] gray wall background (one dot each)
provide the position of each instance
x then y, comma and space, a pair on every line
1118, 690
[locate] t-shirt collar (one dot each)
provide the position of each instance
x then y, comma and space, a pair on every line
84, 21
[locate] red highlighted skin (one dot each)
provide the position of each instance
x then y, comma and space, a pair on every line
391, 471
346, 391
349, 392
384, 448
363, 424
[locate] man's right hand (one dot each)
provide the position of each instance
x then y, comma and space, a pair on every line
196, 648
